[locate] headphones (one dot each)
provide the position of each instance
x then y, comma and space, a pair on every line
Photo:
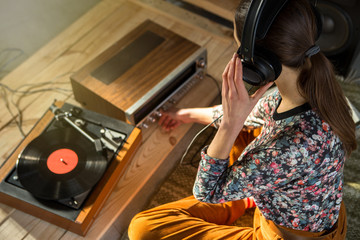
260, 65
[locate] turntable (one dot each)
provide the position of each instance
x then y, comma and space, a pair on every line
68, 164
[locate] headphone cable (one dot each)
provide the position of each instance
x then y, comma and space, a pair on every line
194, 138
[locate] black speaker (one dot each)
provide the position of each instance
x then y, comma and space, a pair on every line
340, 32
354, 72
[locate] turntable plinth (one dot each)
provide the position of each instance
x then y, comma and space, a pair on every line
77, 221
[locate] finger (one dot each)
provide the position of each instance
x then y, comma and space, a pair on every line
239, 83
170, 125
173, 122
226, 70
225, 86
174, 125
231, 73
162, 119
165, 122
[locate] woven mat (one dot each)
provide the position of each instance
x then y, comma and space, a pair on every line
179, 184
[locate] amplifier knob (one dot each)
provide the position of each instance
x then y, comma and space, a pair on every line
200, 76
201, 63
144, 125
151, 119
157, 114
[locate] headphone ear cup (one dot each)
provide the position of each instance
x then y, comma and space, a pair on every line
271, 60
265, 68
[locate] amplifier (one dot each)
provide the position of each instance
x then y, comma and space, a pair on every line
148, 70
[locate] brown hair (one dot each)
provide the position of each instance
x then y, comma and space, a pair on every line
292, 33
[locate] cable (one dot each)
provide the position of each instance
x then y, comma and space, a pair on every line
18, 118
13, 116
193, 140
206, 142
35, 91
216, 83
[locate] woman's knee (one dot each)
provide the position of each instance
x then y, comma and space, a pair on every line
139, 227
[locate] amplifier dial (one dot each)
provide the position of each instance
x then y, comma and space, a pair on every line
151, 119
201, 63
157, 114
200, 76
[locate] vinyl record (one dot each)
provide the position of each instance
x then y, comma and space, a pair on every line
60, 164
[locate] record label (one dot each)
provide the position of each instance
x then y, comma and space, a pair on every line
62, 161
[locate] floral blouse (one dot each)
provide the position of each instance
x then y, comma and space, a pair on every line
293, 169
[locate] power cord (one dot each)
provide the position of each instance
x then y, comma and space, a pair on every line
9, 99
216, 83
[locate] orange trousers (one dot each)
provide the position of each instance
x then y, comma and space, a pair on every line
190, 219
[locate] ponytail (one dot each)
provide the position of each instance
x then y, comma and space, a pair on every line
319, 86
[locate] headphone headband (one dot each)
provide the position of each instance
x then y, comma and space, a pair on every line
252, 19
258, 21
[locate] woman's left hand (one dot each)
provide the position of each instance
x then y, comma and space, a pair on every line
237, 105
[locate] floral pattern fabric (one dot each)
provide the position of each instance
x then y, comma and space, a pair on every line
293, 169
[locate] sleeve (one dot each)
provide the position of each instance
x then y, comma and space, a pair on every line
256, 173
256, 118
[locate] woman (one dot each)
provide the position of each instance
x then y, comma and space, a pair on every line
293, 171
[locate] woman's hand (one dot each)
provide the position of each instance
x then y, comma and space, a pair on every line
237, 105
172, 118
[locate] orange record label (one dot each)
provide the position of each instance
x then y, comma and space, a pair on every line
62, 161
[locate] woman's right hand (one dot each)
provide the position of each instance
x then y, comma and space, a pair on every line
172, 118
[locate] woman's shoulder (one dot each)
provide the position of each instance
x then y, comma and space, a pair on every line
309, 133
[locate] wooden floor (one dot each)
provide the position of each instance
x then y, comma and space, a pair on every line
51, 68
